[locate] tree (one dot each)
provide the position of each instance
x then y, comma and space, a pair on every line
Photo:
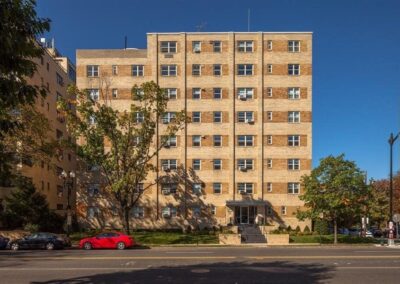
19, 29
27, 206
123, 144
334, 191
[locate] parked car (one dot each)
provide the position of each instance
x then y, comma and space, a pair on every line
3, 242
112, 240
47, 241
354, 232
377, 233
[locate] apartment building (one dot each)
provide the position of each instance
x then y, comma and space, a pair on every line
249, 96
55, 73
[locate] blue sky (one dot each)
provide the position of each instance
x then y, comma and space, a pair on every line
356, 80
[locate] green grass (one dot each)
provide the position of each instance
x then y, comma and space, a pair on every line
161, 238
328, 239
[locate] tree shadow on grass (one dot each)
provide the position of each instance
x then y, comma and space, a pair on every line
235, 272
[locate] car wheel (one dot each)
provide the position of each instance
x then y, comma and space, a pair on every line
87, 246
49, 246
15, 246
121, 245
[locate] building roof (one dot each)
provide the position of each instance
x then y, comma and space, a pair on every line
211, 33
111, 53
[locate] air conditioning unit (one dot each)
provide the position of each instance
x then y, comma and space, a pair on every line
167, 145
242, 168
242, 191
168, 55
165, 191
165, 121
242, 97
249, 120
196, 50
166, 168
166, 215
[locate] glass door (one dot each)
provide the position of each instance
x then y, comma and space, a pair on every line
244, 215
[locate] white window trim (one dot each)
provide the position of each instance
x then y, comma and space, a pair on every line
193, 164
198, 117
269, 187
220, 188
294, 93
220, 165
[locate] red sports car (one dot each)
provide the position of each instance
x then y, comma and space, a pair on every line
107, 240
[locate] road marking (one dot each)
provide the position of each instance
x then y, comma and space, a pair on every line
327, 257
368, 267
189, 252
71, 268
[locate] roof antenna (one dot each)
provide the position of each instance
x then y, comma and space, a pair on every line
248, 20
200, 27
126, 42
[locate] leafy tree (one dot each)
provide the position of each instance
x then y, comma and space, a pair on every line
27, 206
335, 191
19, 29
129, 136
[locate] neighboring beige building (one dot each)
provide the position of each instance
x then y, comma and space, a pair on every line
55, 73
249, 95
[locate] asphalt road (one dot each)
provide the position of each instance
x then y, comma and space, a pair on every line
204, 265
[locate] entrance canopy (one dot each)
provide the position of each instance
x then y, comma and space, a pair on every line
249, 202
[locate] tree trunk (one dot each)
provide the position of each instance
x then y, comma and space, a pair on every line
335, 231
126, 221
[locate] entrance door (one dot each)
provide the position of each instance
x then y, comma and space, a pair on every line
244, 215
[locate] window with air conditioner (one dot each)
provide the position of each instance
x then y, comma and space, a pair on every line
196, 140
269, 186
245, 93
245, 117
196, 46
94, 94
114, 93
245, 164
293, 116
293, 93
196, 69
196, 93
197, 188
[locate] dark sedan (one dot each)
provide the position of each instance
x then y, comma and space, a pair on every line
39, 241
3, 242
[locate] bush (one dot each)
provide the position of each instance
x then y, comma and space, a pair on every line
321, 227
298, 230
289, 229
306, 230
32, 228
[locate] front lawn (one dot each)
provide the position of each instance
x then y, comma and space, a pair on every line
328, 239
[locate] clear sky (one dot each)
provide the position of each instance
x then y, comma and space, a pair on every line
356, 61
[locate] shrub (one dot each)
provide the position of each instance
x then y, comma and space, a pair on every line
289, 229
321, 227
306, 230
32, 228
298, 229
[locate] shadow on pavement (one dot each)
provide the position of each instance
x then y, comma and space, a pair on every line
235, 272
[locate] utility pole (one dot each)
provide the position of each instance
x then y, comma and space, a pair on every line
391, 141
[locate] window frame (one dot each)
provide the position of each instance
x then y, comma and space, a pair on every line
196, 70
293, 164
196, 164
293, 188
245, 188
246, 141
245, 46
294, 117
217, 116
92, 71
294, 46
217, 166
196, 117
137, 70
294, 140
169, 70
245, 69
294, 69
172, 47
217, 69
220, 93
217, 188
217, 139
218, 44
196, 93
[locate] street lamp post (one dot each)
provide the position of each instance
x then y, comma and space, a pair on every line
392, 139
68, 178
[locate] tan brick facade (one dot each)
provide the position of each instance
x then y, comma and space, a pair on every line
243, 59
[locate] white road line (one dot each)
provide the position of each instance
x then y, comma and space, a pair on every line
71, 268
189, 252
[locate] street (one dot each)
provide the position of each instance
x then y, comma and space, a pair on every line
356, 264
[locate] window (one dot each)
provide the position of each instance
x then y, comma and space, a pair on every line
168, 212
245, 46
269, 186
245, 69
168, 117
196, 140
294, 46
217, 117
172, 93
293, 164
269, 163
269, 68
245, 164
196, 164
170, 141
196, 117
294, 69
283, 210
245, 116
114, 70
217, 164
293, 93
92, 70
92, 212
245, 188
196, 93
293, 188
196, 45
294, 140
217, 188
196, 69
114, 93
217, 140
168, 188
60, 191
217, 70
137, 70
293, 116
213, 210
217, 93
269, 45
269, 92
168, 70
196, 188
269, 139
168, 165
245, 140
94, 94
245, 93
93, 189
137, 212
269, 115
60, 80
138, 117
168, 47
138, 94
269, 211
217, 46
